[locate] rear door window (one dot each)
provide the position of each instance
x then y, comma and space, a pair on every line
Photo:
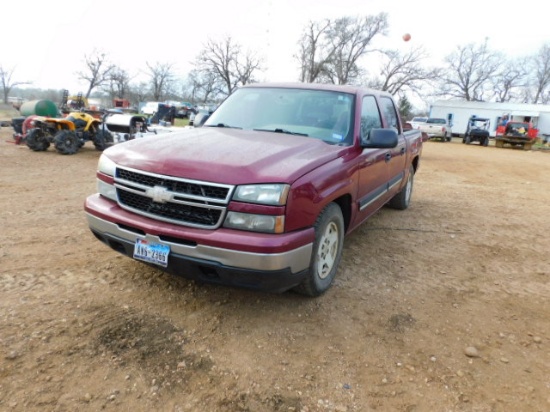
370, 116
390, 113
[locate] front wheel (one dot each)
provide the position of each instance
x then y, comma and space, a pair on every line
327, 252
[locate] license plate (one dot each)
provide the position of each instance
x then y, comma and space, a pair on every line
151, 252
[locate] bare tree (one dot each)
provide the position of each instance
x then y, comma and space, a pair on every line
118, 84
511, 78
162, 78
138, 93
350, 37
246, 67
315, 51
7, 82
404, 72
541, 65
204, 86
97, 70
329, 50
225, 62
469, 71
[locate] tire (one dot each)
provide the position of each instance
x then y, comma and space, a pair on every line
103, 139
468, 140
66, 142
327, 252
485, 142
37, 141
402, 200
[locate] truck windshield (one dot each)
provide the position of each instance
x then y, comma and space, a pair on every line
320, 114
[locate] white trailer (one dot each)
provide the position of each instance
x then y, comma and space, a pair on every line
458, 112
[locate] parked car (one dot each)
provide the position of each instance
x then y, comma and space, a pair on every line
417, 121
437, 128
201, 114
185, 110
150, 108
515, 133
263, 195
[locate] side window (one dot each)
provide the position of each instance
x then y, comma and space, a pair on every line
390, 114
370, 116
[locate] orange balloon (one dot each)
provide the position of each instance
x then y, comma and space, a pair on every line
406, 37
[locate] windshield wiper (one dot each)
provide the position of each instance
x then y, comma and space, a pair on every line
285, 131
223, 125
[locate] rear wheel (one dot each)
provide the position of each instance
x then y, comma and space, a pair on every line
402, 199
66, 142
327, 252
485, 141
468, 140
37, 140
103, 139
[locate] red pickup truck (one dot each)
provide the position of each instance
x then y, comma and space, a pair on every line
262, 195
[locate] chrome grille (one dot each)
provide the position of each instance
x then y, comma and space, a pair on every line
178, 186
180, 201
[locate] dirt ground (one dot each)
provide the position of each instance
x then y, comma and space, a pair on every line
442, 307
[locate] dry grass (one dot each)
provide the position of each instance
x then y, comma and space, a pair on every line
7, 112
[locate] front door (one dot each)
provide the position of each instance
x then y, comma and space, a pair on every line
372, 191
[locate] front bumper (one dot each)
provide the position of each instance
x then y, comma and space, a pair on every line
278, 263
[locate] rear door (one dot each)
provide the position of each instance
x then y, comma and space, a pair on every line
398, 155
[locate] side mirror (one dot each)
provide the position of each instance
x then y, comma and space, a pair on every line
380, 139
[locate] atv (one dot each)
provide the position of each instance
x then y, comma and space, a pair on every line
68, 134
477, 131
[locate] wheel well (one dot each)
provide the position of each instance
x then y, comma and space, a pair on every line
415, 163
345, 206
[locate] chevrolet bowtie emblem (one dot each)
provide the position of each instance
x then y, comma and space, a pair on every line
159, 194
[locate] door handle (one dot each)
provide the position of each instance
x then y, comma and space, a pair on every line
388, 157
402, 151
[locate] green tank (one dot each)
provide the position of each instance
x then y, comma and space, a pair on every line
40, 108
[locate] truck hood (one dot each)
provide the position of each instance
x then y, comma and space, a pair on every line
229, 156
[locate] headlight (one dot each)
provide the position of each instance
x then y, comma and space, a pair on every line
255, 223
266, 194
106, 165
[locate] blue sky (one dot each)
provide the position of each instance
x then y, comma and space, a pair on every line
49, 39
